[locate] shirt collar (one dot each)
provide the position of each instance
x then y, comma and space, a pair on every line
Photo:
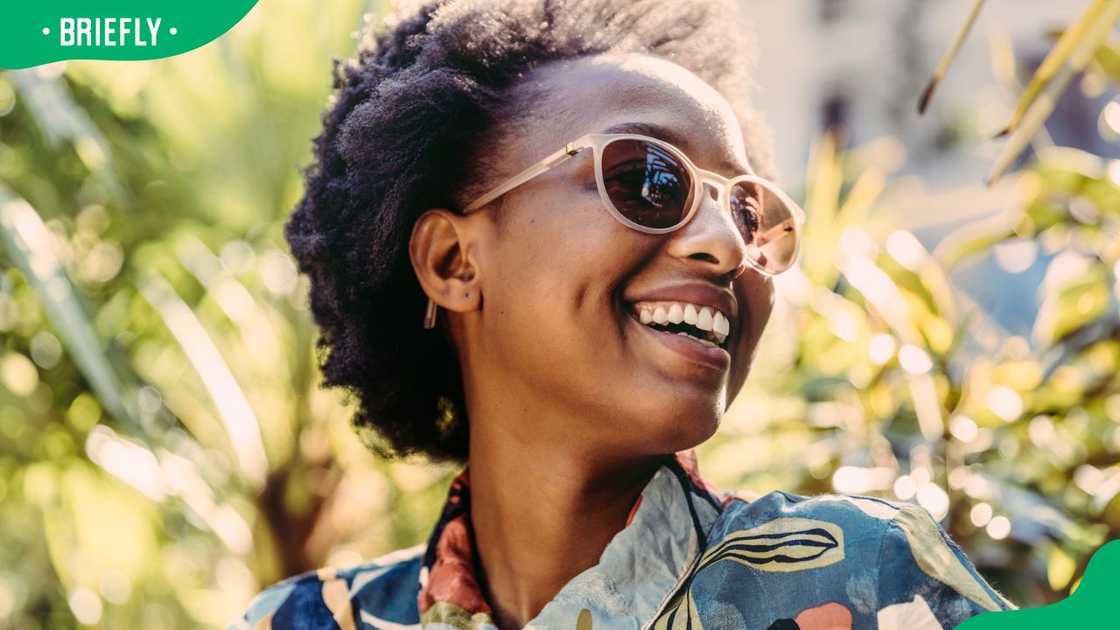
639, 568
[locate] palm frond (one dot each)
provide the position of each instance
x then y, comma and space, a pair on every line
30, 245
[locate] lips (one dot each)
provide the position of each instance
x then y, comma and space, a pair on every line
692, 350
703, 323
694, 320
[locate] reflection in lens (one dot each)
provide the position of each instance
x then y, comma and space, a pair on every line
746, 209
646, 183
767, 223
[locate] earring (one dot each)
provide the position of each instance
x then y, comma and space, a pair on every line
430, 315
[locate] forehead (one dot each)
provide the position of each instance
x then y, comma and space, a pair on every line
665, 100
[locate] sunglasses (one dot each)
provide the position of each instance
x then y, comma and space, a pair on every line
651, 186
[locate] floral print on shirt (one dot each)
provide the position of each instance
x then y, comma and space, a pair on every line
690, 557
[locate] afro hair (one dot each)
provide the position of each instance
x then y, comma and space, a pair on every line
399, 137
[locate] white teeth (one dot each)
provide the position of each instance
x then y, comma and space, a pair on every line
704, 320
720, 326
690, 314
676, 313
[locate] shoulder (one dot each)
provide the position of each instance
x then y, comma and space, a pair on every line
781, 532
856, 510
896, 553
836, 517
379, 593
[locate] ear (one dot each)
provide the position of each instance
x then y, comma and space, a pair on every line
438, 250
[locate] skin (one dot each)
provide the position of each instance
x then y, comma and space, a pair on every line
570, 399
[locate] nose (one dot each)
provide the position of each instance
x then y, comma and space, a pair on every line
711, 239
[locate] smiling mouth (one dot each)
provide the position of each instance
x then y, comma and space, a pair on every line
703, 324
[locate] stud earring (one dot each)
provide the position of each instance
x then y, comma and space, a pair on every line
430, 315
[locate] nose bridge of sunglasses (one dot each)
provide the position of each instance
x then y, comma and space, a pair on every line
714, 191
711, 189
716, 196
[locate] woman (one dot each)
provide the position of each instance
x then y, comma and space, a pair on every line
539, 245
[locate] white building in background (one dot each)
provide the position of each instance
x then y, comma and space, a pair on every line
860, 66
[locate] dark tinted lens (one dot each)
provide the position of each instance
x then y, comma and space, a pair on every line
646, 183
768, 225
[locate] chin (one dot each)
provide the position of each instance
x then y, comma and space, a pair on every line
678, 433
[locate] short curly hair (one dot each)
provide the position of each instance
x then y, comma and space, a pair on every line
399, 137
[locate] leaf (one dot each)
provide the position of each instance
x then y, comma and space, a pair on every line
948, 57
1059, 568
62, 120
1077, 341
30, 244
233, 406
975, 238
1073, 307
822, 200
1075, 45
1070, 56
1108, 58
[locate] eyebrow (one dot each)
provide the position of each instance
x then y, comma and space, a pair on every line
649, 129
672, 137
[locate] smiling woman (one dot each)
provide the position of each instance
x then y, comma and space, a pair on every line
540, 238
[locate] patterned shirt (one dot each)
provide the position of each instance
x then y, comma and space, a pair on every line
689, 557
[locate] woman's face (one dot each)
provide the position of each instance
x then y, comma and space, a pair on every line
562, 283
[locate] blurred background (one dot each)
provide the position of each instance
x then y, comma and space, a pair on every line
165, 450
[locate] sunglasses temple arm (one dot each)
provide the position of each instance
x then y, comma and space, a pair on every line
544, 165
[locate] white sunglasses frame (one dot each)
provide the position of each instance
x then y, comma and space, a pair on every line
597, 142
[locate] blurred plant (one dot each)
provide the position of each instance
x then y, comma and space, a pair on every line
1071, 55
166, 448
889, 382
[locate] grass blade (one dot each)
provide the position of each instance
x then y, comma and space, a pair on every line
948, 57
1074, 49
1045, 98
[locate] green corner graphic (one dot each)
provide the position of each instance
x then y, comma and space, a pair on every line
1089, 606
34, 33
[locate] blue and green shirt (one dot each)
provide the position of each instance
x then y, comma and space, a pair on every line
689, 557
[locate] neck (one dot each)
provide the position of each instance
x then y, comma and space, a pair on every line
541, 515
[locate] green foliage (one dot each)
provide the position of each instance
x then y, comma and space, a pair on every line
879, 374
166, 450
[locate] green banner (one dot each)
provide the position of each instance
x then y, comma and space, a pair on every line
33, 33
1090, 606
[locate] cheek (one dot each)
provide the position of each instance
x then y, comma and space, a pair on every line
564, 237
557, 259
756, 295
762, 304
